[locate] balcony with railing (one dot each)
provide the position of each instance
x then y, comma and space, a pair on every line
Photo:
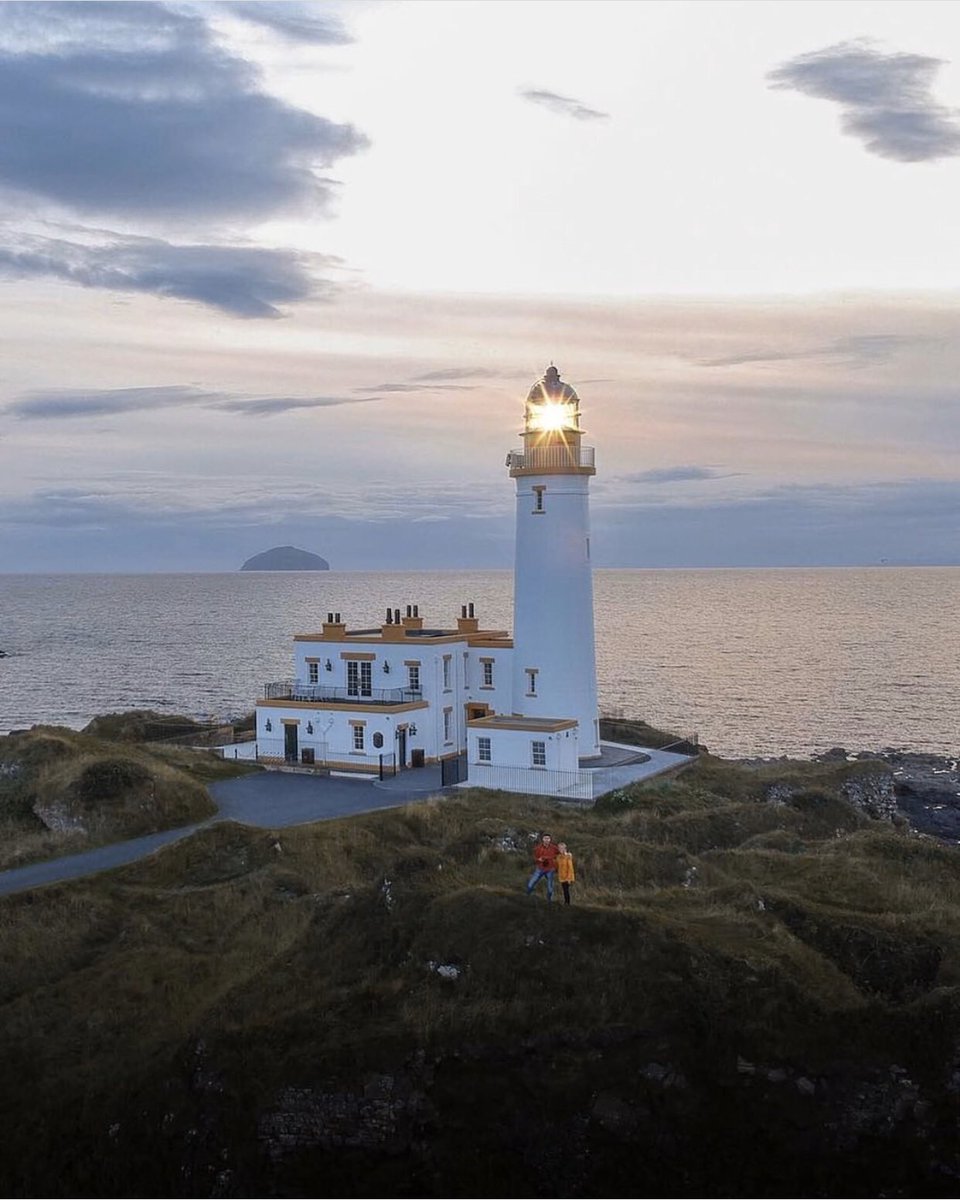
320, 693
552, 458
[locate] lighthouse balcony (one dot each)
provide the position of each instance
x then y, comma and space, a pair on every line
555, 458
318, 693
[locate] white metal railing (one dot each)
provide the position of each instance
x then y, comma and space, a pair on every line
567, 785
274, 748
546, 457
316, 693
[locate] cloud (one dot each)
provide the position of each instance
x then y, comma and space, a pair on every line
858, 350
885, 99
453, 373
244, 281
416, 387
566, 106
675, 475
295, 22
156, 522
134, 110
73, 403
270, 406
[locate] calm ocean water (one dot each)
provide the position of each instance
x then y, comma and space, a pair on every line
754, 661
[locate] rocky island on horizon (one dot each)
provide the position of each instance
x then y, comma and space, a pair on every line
286, 558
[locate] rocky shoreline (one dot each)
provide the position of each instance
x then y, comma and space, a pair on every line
926, 787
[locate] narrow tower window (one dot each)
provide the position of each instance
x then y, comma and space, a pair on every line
531, 673
313, 672
487, 665
538, 491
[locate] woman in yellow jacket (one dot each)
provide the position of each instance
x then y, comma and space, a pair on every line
565, 872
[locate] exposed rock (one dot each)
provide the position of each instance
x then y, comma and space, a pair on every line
779, 794
58, 818
873, 794
375, 1116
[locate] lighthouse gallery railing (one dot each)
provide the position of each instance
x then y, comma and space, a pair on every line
548, 457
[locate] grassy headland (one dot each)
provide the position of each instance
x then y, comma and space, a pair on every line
756, 992
62, 791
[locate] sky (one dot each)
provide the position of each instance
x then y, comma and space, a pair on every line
282, 273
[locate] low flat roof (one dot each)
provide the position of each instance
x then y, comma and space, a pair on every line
524, 724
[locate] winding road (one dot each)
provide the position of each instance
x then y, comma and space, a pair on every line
266, 800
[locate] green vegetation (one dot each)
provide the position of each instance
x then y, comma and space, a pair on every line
746, 998
62, 791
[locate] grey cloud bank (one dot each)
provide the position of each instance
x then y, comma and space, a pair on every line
886, 99
134, 110
295, 22
68, 404
245, 281
858, 350
135, 114
100, 529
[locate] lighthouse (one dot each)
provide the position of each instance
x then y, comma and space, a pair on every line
554, 657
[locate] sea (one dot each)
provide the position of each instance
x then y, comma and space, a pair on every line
763, 662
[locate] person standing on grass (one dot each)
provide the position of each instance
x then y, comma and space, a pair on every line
565, 872
544, 865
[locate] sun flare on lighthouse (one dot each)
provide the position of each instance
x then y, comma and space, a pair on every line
552, 417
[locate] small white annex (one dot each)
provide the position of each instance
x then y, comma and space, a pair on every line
516, 712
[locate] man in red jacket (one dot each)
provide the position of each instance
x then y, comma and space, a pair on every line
545, 865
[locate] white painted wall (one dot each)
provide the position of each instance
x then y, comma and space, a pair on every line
500, 696
553, 604
332, 736
512, 748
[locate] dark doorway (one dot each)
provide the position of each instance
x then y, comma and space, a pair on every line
475, 713
291, 751
401, 748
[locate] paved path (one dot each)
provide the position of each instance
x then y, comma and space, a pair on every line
264, 799
57, 870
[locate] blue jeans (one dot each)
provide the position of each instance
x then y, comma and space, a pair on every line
535, 879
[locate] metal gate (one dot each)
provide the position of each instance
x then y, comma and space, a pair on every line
453, 770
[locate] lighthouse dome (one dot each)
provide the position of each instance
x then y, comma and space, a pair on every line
552, 388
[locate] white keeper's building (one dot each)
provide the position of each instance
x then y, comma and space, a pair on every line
410, 693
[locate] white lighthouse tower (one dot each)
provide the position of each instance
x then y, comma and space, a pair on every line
554, 657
